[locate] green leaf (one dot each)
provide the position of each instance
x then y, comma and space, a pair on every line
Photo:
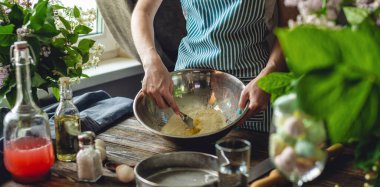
355, 15
55, 91
320, 88
72, 38
329, 95
76, 72
11, 96
85, 58
36, 47
7, 38
48, 31
368, 117
8, 85
72, 58
16, 16
76, 12
64, 32
6, 4
65, 22
81, 29
38, 18
85, 75
59, 42
26, 17
37, 80
277, 84
359, 49
85, 45
367, 152
307, 48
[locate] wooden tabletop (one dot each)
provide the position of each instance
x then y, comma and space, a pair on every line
129, 142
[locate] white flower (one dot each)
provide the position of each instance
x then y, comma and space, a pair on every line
23, 32
95, 52
292, 3
45, 51
314, 5
4, 73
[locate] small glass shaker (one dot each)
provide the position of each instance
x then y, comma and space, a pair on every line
89, 163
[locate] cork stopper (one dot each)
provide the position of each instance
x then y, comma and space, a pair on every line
21, 45
86, 138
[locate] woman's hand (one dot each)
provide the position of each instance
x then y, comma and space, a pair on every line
258, 99
157, 83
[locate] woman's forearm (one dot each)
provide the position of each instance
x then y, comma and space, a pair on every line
142, 29
276, 60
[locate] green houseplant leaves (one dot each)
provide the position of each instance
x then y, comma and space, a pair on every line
336, 75
53, 38
339, 74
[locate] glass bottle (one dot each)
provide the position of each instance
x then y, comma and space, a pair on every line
28, 150
89, 163
67, 123
296, 141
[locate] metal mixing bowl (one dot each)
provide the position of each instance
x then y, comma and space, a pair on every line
177, 169
194, 88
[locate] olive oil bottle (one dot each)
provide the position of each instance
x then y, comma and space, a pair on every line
67, 123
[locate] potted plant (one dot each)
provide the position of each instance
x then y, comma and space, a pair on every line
333, 54
53, 32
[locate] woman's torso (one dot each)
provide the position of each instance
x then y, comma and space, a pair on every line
227, 35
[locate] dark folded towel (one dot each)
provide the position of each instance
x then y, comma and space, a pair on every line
98, 110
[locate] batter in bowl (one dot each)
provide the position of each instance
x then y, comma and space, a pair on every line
206, 120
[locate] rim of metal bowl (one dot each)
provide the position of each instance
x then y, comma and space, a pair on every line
140, 94
162, 155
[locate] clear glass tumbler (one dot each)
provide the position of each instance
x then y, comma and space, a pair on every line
234, 156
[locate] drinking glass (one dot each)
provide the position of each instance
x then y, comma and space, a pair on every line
296, 142
234, 157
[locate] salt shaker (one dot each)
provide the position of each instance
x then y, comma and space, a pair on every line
89, 164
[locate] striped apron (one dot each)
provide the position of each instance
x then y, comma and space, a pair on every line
230, 36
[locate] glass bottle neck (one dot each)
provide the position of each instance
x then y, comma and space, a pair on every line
66, 93
24, 91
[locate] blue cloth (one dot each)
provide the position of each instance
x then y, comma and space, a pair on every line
98, 110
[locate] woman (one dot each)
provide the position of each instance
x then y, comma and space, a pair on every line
226, 35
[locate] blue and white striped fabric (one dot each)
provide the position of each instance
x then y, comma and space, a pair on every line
227, 35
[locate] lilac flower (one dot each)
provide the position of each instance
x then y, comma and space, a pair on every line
7, 11
45, 51
310, 12
378, 21
362, 3
291, 3
23, 32
333, 8
4, 73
